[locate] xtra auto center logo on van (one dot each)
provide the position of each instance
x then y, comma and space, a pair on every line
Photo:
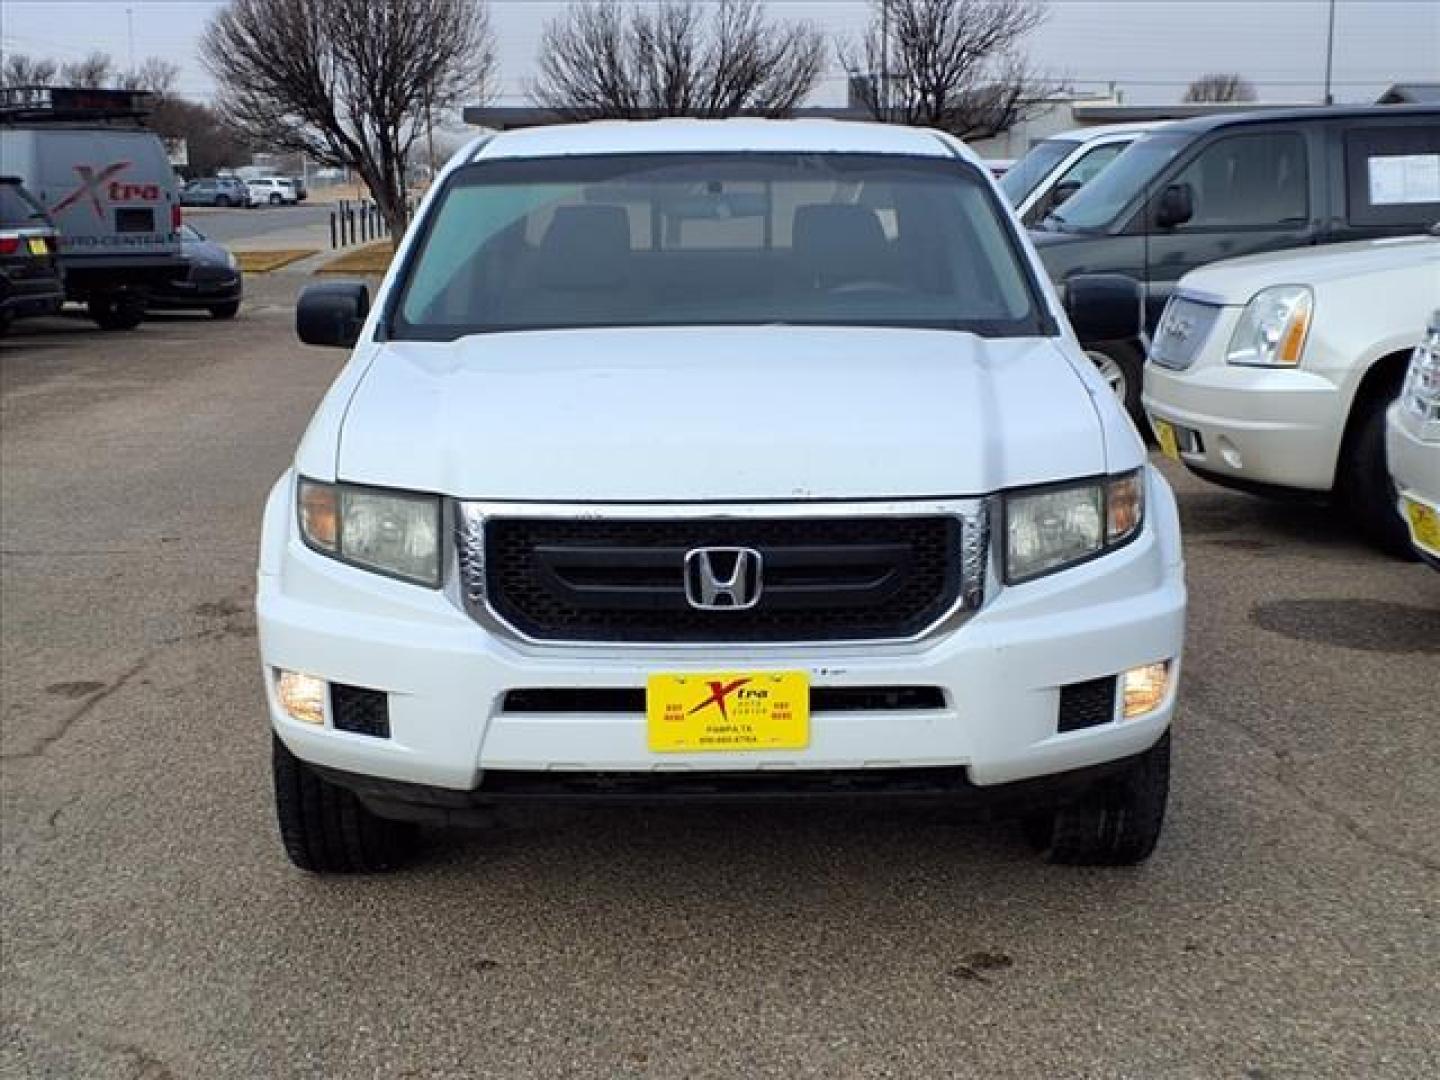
94, 183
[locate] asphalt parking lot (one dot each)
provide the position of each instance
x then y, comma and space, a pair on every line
1288, 926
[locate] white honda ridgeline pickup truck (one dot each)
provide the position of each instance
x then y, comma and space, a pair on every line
713, 460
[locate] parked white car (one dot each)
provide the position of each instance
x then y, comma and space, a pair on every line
1413, 445
1057, 167
716, 459
272, 191
1274, 371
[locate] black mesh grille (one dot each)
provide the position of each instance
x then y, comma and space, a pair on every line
625, 700
824, 579
364, 712
1085, 704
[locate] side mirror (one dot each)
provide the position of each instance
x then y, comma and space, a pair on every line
1062, 192
1104, 307
1176, 207
333, 313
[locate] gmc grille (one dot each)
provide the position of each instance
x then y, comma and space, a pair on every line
623, 579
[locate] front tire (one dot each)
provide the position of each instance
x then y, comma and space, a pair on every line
1116, 823
222, 201
1366, 488
276, 200
1122, 366
225, 311
116, 312
326, 829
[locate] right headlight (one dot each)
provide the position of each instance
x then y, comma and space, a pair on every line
1050, 528
1272, 328
391, 532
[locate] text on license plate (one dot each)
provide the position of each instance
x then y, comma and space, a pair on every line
37, 246
1424, 525
729, 710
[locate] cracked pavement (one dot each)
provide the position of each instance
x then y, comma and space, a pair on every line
1288, 926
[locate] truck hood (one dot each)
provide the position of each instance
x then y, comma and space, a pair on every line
724, 414
1235, 281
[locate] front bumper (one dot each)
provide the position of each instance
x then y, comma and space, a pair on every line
183, 294
1260, 426
1415, 467
447, 677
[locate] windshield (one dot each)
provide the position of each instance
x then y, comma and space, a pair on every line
716, 239
1025, 175
1096, 205
18, 208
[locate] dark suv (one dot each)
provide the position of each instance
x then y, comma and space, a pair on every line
1219, 186
30, 282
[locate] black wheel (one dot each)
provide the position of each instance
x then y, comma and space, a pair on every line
1117, 823
5, 319
1122, 366
326, 829
276, 200
1365, 486
116, 312
225, 311
222, 200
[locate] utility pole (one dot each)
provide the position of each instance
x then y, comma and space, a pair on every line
1330, 55
883, 97
130, 33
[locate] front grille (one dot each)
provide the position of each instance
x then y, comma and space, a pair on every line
363, 712
1086, 704
1182, 331
625, 700
823, 579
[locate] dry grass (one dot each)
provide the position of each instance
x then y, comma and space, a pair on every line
368, 260
262, 262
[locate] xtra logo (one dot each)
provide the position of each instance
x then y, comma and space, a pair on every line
719, 691
95, 183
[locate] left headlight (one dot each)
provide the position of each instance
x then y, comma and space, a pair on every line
391, 532
1272, 328
1057, 526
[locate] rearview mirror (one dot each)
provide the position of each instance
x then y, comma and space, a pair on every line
1103, 307
1177, 206
333, 313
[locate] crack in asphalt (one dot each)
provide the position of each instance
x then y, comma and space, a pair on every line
1285, 775
48, 740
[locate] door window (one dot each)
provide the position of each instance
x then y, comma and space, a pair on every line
1092, 164
1248, 181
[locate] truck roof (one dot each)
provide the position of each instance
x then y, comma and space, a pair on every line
1314, 114
679, 136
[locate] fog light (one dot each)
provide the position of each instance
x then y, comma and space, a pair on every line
1144, 688
302, 696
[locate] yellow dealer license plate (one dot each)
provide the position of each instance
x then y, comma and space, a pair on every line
1166, 436
1424, 525
37, 246
731, 710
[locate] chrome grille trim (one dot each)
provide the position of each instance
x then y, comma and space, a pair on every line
975, 555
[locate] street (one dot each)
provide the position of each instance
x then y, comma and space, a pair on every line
231, 226
1288, 925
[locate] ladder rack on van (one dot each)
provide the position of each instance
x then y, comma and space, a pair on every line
36, 105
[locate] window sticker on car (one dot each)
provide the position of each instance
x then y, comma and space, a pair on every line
1404, 178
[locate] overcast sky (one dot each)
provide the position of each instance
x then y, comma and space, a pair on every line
1149, 48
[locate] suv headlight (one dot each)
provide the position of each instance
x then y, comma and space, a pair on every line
1272, 328
1059, 525
391, 532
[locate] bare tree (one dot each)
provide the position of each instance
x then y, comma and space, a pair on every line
675, 58
951, 64
1220, 87
155, 76
349, 83
96, 70
21, 70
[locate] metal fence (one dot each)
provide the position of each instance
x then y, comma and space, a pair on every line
358, 222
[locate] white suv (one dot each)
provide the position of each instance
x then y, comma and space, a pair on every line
1272, 373
1412, 446
272, 190
716, 459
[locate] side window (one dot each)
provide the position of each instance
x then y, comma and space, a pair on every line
1392, 175
1248, 181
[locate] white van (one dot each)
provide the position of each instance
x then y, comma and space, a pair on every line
717, 459
107, 183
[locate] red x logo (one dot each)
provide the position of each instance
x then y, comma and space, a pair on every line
719, 691
90, 184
